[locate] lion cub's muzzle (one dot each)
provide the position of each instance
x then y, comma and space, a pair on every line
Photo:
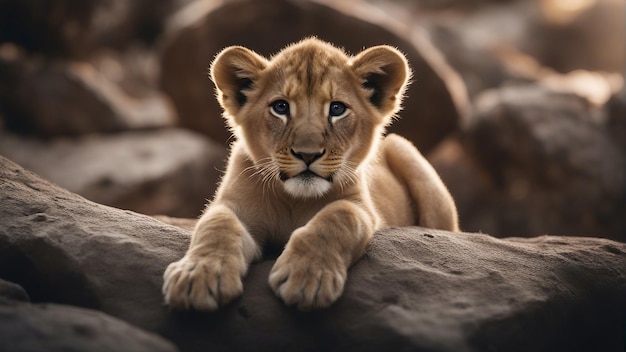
309, 181
309, 170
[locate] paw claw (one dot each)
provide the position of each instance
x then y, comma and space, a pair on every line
202, 283
307, 283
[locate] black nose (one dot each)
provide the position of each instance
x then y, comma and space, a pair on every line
308, 158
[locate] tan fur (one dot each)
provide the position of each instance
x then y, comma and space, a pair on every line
365, 182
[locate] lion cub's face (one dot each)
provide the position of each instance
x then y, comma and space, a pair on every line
311, 115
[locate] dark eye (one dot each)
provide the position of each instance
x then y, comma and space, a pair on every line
337, 109
280, 108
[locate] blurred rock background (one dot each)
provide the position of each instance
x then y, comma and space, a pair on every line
519, 104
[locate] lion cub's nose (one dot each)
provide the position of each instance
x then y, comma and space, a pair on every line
308, 158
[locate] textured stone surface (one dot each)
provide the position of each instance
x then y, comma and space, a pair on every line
538, 161
56, 328
169, 171
52, 98
414, 290
431, 109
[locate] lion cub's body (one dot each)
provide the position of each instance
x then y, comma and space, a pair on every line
309, 170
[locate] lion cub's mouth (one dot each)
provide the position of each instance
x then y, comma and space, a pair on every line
306, 184
305, 175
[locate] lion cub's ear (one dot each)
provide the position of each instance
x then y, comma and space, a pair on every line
234, 71
384, 73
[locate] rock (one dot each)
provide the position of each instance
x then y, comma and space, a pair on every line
569, 35
57, 328
475, 42
185, 223
134, 70
435, 101
616, 111
471, 187
123, 23
59, 98
57, 28
550, 162
168, 171
12, 291
415, 289
487, 44
70, 29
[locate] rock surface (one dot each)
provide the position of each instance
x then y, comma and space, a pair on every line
547, 163
169, 171
57, 28
71, 29
483, 42
431, 110
57, 328
61, 98
415, 289
12, 291
570, 37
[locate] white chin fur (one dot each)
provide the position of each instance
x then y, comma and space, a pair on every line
309, 187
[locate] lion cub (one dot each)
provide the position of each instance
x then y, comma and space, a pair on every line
310, 170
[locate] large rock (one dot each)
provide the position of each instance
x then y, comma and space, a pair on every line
566, 37
12, 291
168, 171
58, 328
57, 28
415, 289
435, 101
547, 163
494, 43
472, 189
74, 29
474, 42
53, 98
616, 109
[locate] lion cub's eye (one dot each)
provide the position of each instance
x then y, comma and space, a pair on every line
337, 110
280, 108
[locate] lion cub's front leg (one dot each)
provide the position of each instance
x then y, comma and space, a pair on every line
210, 273
312, 269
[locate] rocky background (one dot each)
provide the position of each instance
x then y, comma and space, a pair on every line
519, 104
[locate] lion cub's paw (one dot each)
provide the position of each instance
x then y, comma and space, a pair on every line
202, 283
307, 282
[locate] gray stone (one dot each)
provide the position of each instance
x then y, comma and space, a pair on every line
616, 111
170, 171
496, 42
56, 328
69, 98
548, 164
568, 38
57, 28
415, 289
70, 29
